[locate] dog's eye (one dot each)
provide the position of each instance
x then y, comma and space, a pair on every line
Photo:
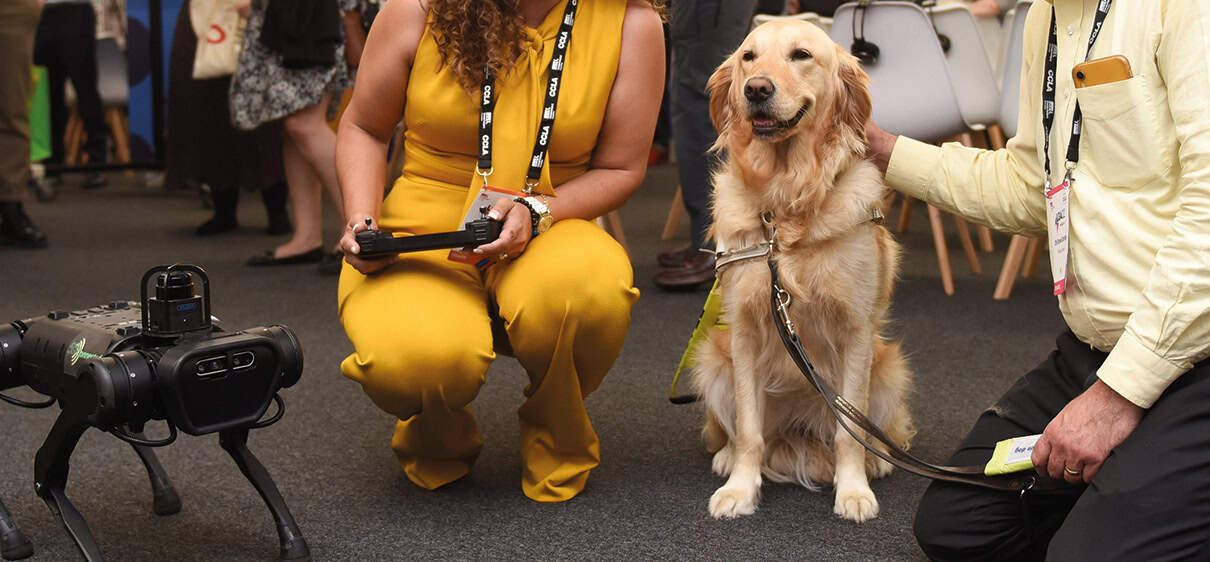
749, 55
800, 54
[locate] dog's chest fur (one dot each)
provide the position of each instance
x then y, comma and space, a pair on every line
828, 259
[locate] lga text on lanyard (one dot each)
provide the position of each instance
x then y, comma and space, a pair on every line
1049, 85
1058, 198
542, 143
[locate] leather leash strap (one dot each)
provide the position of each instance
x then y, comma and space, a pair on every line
848, 415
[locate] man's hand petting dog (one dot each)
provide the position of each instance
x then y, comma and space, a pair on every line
515, 232
1079, 439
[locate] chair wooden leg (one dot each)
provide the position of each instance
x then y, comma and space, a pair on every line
121, 141
943, 254
612, 223
968, 247
1012, 263
675, 213
888, 202
985, 239
73, 138
905, 214
1032, 253
996, 135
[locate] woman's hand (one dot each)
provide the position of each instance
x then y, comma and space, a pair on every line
515, 232
348, 245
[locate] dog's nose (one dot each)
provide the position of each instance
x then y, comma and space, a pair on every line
758, 89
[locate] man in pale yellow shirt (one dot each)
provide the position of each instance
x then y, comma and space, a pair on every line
1123, 402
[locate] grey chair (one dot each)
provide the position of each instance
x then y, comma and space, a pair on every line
113, 85
912, 91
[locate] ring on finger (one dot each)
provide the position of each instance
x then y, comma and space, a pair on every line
1070, 472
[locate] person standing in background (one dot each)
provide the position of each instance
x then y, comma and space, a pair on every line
703, 33
293, 68
203, 145
66, 44
18, 20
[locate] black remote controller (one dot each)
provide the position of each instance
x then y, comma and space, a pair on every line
376, 244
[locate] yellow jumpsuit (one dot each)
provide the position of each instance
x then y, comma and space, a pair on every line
422, 328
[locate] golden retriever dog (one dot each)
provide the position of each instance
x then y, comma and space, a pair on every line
791, 107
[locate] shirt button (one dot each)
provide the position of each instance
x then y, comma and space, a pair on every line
1069, 31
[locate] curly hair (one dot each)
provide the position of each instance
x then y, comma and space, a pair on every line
472, 34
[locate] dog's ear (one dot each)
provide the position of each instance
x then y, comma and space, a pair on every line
719, 87
854, 106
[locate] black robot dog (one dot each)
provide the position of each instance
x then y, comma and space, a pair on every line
118, 366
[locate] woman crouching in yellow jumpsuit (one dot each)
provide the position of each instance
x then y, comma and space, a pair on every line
421, 324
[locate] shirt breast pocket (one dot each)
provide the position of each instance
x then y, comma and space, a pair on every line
1120, 144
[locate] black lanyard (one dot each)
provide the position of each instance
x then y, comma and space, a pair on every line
1049, 82
542, 143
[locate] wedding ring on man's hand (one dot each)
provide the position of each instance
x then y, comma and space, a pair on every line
1071, 472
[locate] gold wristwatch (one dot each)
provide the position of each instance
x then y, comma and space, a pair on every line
539, 212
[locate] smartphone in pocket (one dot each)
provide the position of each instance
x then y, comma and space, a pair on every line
1101, 71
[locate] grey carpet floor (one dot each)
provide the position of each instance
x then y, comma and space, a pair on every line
330, 454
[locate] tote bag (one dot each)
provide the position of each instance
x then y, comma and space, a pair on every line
220, 35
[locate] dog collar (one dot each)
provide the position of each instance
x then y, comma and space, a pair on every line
724, 257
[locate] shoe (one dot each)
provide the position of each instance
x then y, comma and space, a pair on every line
17, 230
267, 258
697, 270
676, 258
217, 225
331, 263
94, 180
45, 189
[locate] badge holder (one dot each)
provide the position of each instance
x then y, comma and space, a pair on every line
1058, 211
486, 199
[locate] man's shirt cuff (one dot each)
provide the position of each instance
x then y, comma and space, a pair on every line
1138, 373
912, 167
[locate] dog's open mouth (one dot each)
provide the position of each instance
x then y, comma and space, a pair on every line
766, 126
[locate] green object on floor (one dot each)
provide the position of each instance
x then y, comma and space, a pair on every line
39, 116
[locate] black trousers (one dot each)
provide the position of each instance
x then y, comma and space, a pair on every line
1150, 501
703, 33
66, 45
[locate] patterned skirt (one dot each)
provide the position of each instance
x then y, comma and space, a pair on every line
263, 90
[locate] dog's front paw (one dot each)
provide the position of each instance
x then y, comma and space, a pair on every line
724, 460
856, 505
733, 501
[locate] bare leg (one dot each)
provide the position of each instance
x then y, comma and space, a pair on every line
317, 144
305, 203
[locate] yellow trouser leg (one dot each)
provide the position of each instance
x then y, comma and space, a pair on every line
566, 304
423, 343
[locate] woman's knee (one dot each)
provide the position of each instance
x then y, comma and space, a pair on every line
589, 277
402, 379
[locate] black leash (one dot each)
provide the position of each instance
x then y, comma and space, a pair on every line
847, 414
